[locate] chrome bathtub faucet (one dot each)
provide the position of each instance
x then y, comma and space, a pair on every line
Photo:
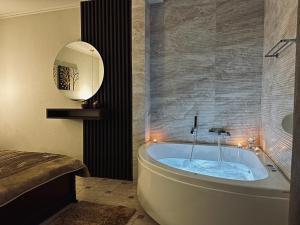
194, 129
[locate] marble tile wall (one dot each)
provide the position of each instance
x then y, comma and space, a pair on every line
206, 60
147, 72
140, 76
278, 81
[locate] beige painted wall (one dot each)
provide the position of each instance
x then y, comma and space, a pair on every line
28, 47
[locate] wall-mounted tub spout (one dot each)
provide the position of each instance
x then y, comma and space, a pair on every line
219, 131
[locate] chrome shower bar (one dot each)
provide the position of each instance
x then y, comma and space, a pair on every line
281, 46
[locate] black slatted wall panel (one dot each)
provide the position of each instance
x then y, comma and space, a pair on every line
106, 24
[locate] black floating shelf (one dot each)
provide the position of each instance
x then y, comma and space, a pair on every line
281, 46
80, 114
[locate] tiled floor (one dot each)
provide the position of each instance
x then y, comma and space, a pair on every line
112, 192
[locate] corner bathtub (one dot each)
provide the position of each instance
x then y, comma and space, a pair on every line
176, 191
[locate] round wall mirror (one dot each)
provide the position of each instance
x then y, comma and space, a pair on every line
78, 70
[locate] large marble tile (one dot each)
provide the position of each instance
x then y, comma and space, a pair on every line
206, 60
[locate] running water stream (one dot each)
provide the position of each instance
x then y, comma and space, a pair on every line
194, 143
220, 158
218, 168
220, 136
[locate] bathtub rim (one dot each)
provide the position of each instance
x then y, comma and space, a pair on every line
274, 186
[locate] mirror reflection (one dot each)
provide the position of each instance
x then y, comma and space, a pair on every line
78, 70
287, 123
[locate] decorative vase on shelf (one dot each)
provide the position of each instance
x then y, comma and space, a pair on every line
251, 142
84, 105
96, 105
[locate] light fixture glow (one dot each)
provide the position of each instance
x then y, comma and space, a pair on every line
85, 92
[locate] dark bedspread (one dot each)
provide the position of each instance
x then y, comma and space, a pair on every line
20, 172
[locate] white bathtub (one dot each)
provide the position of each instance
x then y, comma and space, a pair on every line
173, 196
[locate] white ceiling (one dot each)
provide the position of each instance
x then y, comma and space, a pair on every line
12, 8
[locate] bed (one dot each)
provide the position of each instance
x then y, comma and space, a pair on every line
34, 186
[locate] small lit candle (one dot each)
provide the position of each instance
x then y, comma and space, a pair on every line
155, 140
257, 150
240, 145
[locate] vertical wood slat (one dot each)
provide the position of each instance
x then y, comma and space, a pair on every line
106, 24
